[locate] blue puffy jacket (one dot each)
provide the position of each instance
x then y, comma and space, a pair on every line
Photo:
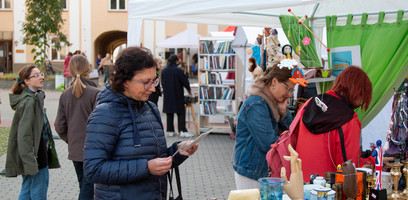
122, 135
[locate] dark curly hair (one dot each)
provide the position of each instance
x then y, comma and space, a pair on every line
128, 63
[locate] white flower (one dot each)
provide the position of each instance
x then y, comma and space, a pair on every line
288, 63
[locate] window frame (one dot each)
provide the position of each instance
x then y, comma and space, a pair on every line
117, 6
49, 51
3, 4
65, 7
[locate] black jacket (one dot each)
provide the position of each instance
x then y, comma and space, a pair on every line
173, 81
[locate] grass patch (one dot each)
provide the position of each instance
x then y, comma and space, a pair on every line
11, 76
4, 135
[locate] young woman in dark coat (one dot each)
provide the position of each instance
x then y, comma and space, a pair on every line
75, 105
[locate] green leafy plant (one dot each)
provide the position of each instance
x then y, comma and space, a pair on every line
43, 27
4, 135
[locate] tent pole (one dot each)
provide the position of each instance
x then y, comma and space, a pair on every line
314, 10
252, 13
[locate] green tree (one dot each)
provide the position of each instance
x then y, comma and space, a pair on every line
43, 20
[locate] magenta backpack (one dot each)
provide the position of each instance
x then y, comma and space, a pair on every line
274, 157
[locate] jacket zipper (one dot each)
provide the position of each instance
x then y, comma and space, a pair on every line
158, 150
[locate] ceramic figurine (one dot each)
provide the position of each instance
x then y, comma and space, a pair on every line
378, 192
350, 180
378, 154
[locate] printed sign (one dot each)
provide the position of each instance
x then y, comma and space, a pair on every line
343, 57
59, 82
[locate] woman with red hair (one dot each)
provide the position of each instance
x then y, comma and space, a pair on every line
319, 143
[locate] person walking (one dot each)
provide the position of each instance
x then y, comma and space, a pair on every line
31, 150
98, 64
106, 65
154, 97
126, 153
67, 75
75, 105
261, 119
173, 82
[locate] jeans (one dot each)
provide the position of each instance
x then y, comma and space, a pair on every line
36, 186
181, 120
86, 188
106, 79
67, 81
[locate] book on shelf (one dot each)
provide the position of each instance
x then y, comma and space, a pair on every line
208, 108
217, 62
229, 81
207, 47
214, 93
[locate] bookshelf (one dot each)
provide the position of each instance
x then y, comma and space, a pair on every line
217, 94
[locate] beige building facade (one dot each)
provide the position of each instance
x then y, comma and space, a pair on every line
92, 26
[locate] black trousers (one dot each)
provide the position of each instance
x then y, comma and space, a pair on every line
86, 188
181, 120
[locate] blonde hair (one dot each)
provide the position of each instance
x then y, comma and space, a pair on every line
78, 67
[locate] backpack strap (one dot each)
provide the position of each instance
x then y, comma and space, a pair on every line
295, 121
343, 148
178, 181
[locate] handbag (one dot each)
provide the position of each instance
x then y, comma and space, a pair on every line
274, 157
53, 161
170, 176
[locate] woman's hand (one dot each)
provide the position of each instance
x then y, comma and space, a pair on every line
190, 151
282, 107
159, 166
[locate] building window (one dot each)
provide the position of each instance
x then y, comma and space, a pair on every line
55, 55
59, 55
5, 4
117, 5
64, 4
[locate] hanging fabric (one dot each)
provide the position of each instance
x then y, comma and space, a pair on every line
384, 55
295, 33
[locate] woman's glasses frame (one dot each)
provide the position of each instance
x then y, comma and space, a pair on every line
148, 84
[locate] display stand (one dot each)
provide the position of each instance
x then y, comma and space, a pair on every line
216, 62
195, 123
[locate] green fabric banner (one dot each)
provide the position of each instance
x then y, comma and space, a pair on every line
295, 33
384, 54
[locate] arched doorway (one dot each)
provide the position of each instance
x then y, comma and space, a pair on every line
107, 42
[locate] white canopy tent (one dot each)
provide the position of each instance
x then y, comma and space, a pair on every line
185, 39
265, 13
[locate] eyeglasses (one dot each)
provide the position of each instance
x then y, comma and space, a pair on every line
148, 84
289, 89
37, 75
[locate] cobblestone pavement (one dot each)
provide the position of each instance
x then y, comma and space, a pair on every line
208, 174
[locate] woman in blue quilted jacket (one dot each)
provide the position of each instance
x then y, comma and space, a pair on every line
125, 153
